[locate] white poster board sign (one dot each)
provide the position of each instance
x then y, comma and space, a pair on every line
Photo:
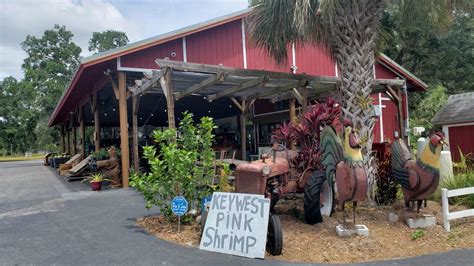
237, 224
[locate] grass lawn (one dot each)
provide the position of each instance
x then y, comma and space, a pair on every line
20, 158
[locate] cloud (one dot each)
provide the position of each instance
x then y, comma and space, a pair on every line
33, 17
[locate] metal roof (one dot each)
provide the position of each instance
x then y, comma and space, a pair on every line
165, 37
459, 108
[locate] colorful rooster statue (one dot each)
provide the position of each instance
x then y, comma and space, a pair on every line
418, 178
344, 163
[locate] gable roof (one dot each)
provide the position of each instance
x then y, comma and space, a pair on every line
458, 108
162, 38
143, 44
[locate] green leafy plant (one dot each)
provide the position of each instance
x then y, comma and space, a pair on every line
98, 177
181, 164
417, 234
461, 180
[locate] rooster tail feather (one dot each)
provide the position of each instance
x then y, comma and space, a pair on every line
400, 155
332, 151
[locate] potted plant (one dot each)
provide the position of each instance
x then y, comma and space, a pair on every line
95, 181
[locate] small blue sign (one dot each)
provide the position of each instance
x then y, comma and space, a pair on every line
179, 205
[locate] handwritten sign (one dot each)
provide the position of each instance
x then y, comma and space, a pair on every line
237, 224
179, 206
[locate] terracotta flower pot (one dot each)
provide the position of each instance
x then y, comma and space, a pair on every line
96, 186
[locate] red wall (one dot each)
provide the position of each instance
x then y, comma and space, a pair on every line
219, 45
223, 45
146, 58
462, 137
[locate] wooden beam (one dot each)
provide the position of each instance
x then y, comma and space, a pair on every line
125, 161
241, 87
304, 105
298, 96
218, 78
167, 87
135, 106
241, 108
148, 84
114, 87
393, 93
277, 90
204, 68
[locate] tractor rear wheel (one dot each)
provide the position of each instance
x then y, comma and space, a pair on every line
312, 198
274, 235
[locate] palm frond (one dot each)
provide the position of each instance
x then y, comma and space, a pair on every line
271, 27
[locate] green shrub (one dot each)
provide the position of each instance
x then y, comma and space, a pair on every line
461, 180
181, 165
417, 234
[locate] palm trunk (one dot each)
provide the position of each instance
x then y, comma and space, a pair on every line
353, 37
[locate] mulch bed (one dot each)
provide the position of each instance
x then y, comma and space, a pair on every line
319, 243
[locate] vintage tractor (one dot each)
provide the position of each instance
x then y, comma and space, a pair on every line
322, 162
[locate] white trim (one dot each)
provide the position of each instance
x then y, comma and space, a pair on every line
385, 99
185, 53
335, 67
407, 120
381, 117
132, 69
244, 49
373, 67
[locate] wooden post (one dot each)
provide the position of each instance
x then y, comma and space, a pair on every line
63, 140
305, 99
292, 110
68, 139
243, 133
135, 104
123, 127
165, 82
82, 132
244, 107
74, 135
400, 115
95, 110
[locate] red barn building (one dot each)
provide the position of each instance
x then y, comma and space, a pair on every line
220, 42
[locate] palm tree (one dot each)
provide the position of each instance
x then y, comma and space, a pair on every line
350, 29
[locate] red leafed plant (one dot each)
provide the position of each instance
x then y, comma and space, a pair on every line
305, 134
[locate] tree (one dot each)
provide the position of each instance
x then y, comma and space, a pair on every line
106, 40
436, 57
350, 29
17, 116
50, 65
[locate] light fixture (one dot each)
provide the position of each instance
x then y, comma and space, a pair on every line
141, 118
113, 109
230, 106
105, 114
209, 111
165, 110
151, 114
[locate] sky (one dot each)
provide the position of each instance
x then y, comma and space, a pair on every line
140, 19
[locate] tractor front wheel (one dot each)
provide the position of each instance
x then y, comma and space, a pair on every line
274, 235
312, 197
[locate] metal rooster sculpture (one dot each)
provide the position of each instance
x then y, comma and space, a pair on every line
344, 162
418, 178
